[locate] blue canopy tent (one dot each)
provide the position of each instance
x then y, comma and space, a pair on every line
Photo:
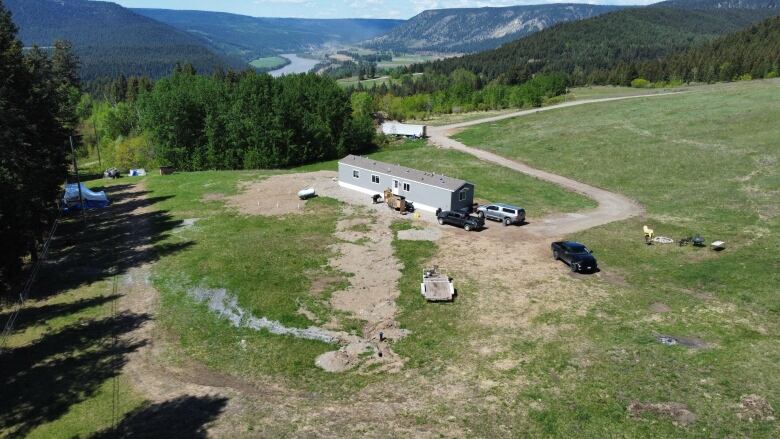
92, 200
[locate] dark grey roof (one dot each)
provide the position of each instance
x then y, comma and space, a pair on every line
403, 172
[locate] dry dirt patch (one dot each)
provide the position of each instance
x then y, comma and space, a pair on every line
363, 245
660, 308
677, 412
278, 194
516, 280
755, 408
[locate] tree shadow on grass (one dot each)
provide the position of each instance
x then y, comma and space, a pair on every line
127, 234
42, 380
36, 315
183, 417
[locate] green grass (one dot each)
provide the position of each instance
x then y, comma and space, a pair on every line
439, 331
493, 183
269, 62
701, 162
268, 263
405, 60
447, 119
609, 91
60, 369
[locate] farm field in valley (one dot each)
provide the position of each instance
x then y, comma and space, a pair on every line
269, 63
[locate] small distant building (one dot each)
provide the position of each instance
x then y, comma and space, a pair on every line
427, 191
404, 129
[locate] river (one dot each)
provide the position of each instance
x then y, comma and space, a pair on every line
297, 65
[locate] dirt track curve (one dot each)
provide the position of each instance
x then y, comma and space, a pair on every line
611, 206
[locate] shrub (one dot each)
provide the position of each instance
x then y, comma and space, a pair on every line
640, 83
134, 152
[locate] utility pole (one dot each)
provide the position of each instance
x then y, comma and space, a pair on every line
78, 182
97, 143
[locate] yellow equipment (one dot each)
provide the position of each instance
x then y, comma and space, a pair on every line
648, 234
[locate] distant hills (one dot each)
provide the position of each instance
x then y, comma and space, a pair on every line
466, 30
253, 37
110, 39
598, 49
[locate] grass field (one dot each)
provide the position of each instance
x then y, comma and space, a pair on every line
702, 162
608, 91
353, 81
493, 183
269, 63
406, 60
233, 251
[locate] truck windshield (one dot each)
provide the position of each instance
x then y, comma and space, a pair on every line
578, 248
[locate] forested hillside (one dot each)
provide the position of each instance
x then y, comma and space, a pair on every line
253, 37
589, 50
751, 53
111, 40
475, 29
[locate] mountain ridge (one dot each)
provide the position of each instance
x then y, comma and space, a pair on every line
461, 30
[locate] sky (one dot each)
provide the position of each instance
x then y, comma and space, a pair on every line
342, 8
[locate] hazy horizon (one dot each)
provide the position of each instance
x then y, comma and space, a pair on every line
392, 9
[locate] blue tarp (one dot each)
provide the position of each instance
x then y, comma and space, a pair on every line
92, 200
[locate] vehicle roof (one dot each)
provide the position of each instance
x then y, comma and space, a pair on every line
409, 174
505, 205
573, 244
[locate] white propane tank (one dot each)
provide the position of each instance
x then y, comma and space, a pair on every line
304, 194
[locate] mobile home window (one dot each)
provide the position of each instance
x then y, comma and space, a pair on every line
462, 194
356, 173
375, 179
406, 187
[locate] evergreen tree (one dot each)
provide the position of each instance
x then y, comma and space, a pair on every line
36, 115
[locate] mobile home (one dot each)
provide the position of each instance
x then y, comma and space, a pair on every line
427, 191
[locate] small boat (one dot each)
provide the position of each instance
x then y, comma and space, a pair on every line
305, 194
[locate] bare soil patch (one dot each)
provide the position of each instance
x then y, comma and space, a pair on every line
677, 412
278, 194
426, 234
755, 408
213, 196
515, 285
372, 290
660, 308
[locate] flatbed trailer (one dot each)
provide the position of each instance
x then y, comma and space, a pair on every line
436, 286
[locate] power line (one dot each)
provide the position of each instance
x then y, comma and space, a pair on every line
25, 291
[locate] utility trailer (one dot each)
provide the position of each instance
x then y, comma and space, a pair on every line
396, 202
404, 130
436, 286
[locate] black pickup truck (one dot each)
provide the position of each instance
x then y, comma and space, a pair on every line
460, 219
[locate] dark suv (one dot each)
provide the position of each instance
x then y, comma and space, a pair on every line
460, 219
579, 257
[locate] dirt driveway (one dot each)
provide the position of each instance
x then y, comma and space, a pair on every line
611, 206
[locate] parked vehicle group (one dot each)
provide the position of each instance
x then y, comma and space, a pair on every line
576, 255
